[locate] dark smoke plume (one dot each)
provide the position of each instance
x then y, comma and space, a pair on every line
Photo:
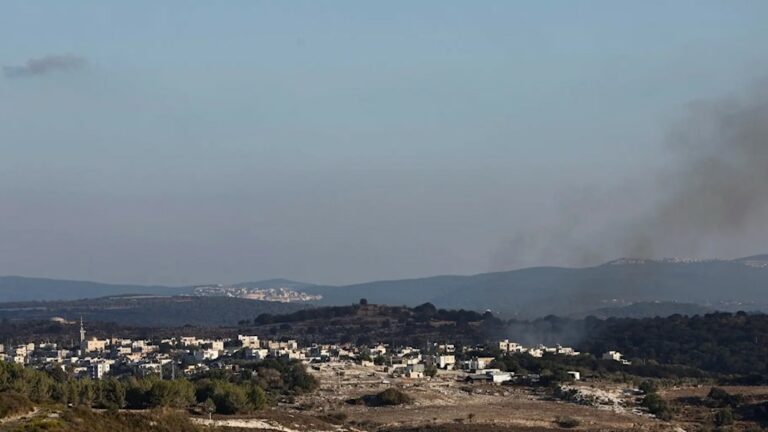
719, 191
710, 201
45, 65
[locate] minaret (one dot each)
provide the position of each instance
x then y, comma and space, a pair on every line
82, 331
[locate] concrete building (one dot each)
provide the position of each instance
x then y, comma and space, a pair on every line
249, 341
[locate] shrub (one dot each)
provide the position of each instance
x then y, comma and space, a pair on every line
388, 397
657, 406
724, 417
336, 417
721, 398
567, 422
648, 387
393, 396
230, 399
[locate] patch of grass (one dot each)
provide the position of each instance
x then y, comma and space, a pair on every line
12, 403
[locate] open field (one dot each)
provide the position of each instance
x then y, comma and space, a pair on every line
445, 399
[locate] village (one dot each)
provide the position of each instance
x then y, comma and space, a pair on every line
437, 382
188, 355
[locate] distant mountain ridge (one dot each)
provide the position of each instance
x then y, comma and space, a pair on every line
538, 291
20, 288
526, 293
147, 310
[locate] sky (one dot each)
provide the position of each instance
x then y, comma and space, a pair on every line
185, 142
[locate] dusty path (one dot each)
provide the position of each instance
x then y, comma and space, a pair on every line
242, 423
266, 425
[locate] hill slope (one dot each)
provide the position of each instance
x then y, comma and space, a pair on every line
148, 310
531, 292
526, 293
18, 288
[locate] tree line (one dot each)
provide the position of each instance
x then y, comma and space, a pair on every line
252, 387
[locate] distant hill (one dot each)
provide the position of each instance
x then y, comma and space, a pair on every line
18, 288
649, 310
369, 323
146, 310
538, 291
727, 285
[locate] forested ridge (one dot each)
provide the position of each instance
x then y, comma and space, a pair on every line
719, 342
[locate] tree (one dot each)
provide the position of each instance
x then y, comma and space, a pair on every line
657, 406
112, 394
257, 397
209, 407
230, 399
648, 386
363, 301
136, 393
430, 371
392, 396
174, 394
724, 417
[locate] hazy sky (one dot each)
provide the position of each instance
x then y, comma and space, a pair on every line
339, 141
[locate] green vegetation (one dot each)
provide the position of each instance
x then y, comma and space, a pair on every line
12, 403
393, 396
648, 386
256, 385
657, 406
723, 417
229, 398
567, 422
82, 419
724, 346
721, 343
430, 371
719, 398
388, 397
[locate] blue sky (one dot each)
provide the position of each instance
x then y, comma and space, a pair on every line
340, 141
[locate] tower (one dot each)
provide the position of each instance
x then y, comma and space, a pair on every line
82, 331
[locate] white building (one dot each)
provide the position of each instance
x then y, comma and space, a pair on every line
95, 345
575, 375
206, 354
498, 377
249, 341
97, 370
478, 363
257, 354
510, 347
217, 345
445, 361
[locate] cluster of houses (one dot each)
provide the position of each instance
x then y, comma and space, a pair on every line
189, 355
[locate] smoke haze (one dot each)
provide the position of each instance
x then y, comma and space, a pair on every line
45, 65
718, 189
709, 200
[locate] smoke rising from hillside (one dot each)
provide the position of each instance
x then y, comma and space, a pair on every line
710, 201
719, 189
